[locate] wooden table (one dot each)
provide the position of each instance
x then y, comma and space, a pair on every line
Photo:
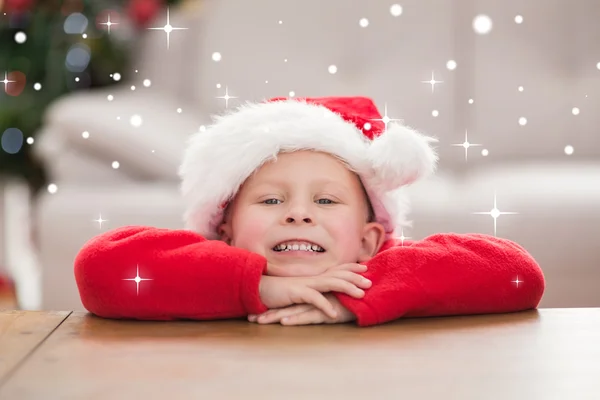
545, 354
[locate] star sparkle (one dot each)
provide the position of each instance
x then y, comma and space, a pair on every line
100, 220
432, 82
386, 119
466, 145
168, 28
495, 213
137, 279
109, 23
402, 237
6, 81
226, 97
517, 281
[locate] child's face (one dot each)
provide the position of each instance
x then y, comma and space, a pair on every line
308, 195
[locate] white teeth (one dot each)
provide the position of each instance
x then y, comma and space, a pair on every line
299, 246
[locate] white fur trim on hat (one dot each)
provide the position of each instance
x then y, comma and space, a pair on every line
218, 161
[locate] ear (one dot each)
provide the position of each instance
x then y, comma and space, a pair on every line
372, 239
225, 232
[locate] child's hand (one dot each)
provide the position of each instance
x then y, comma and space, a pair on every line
278, 292
305, 314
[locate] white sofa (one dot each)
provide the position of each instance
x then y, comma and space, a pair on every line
556, 196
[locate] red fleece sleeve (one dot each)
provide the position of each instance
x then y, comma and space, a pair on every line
183, 276
448, 274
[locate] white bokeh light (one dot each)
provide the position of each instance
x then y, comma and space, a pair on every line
117, 76
363, 22
132, 87
52, 188
332, 69
110, 97
37, 86
520, 88
85, 134
136, 120
522, 121
569, 150
598, 65
435, 113
485, 152
292, 93
482, 24
451, 65
216, 56
519, 19
396, 10
20, 37
179, 110
30, 140
367, 126
575, 111
115, 165
147, 82
471, 101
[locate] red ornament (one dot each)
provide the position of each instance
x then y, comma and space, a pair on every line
18, 6
16, 83
143, 11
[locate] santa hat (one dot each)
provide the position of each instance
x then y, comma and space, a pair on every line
385, 155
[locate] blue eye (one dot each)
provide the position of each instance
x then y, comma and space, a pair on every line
330, 201
271, 201
265, 202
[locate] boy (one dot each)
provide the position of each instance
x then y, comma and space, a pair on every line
291, 204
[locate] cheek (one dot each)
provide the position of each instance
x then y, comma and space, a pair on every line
249, 231
346, 234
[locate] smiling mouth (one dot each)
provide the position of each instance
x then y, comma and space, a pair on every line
298, 249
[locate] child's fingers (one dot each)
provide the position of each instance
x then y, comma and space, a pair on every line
313, 296
276, 315
309, 317
356, 279
334, 284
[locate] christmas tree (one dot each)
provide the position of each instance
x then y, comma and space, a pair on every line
50, 48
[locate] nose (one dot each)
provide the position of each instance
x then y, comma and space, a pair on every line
298, 214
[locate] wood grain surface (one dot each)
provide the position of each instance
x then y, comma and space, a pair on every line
545, 354
20, 333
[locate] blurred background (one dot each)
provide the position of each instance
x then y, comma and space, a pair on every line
97, 99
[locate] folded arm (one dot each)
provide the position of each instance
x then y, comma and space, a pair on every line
448, 274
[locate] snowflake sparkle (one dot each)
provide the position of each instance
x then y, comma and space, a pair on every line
517, 281
495, 213
402, 237
108, 23
466, 145
100, 221
137, 279
168, 28
226, 97
432, 82
386, 120
6, 81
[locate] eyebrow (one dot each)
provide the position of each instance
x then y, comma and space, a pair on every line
323, 181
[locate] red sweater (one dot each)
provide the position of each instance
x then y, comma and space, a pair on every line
190, 277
